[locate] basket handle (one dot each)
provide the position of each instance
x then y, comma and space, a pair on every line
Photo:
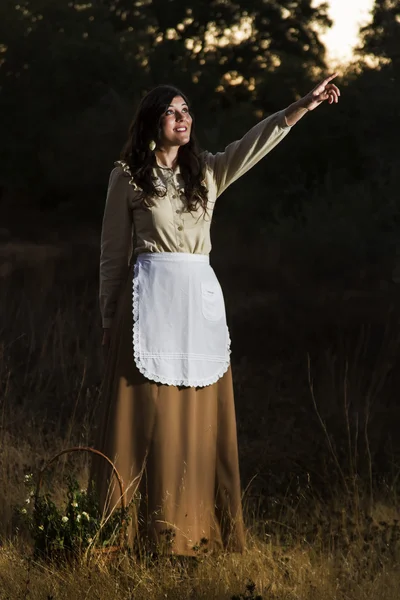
93, 451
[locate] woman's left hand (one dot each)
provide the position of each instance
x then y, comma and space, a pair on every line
323, 91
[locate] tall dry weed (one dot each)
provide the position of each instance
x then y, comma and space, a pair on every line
319, 454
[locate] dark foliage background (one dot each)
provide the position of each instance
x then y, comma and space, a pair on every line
307, 245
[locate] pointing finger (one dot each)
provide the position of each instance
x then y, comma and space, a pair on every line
330, 77
321, 86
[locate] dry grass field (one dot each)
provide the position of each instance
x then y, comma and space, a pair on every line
316, 376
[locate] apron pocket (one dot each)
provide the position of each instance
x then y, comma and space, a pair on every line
212, 303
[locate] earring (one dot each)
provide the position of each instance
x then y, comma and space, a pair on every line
152, 146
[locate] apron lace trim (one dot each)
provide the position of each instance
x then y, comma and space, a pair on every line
153, 376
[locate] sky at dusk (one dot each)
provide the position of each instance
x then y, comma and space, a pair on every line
347, 16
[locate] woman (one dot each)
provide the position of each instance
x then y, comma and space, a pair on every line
168, 417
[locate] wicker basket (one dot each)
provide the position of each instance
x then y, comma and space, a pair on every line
108, 551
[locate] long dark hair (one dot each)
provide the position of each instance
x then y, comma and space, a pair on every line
147, 126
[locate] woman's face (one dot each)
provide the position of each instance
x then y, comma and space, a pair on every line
176, 124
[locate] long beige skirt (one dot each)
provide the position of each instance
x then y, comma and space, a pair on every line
176, 450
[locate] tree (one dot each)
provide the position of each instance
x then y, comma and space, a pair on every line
58, 61
381, 36
61, 61
235, 48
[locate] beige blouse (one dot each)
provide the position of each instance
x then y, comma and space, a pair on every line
130, 229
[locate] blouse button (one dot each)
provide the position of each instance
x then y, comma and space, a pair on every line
180, 245
174, 196
180, 228
178, 212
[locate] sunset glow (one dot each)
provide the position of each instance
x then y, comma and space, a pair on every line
348, 16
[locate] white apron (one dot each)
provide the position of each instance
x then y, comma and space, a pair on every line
180, 335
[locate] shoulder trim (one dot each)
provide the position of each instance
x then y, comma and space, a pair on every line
126, 170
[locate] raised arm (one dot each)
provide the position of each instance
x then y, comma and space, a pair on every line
242, 155
116, 242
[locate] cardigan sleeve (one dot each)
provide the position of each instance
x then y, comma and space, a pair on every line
242, 155
116, 244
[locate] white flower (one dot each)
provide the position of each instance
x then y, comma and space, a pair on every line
28, 478
78, 518
64, 519
90, 540
31, 493
84, 514
23, 511
41, 527
28, 501
74, 504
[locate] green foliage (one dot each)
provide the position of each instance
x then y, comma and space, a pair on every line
66, 531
